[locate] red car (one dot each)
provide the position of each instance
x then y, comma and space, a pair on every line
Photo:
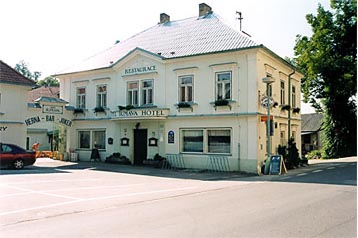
13, 156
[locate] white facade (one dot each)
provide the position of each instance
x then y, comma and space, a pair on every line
12, 126
241, 134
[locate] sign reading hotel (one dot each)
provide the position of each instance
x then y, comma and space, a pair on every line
52, 109
142, 113
140, 70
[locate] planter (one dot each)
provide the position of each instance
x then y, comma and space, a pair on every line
128, 107
221, 102
78, 110
285, 107
99, 109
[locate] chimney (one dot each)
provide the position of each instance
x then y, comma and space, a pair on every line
204, 9
164, 18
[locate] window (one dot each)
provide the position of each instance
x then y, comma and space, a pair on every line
193, 141
223, 85
132, 92
84, 138
219, 141
186, 88
81, 98
282, 138
99, 139
146, 95
206, 141
293, 96
282, 93
307, 139
147, 92
102, 96
90, 139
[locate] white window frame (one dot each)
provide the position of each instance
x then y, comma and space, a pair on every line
147, 93
293, 96
205, 142
101, 96
133, 93
220, 86
141, 95
282, 92
188, 88
91, 139
81, 98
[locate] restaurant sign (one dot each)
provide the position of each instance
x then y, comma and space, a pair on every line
140, 70
52, 109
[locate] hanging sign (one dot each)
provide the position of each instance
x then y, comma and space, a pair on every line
267, 101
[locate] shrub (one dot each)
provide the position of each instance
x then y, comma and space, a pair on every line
314, 154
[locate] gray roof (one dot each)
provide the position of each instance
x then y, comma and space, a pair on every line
311, 122
50, 99
181, 38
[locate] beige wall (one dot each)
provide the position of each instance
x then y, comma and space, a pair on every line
13, 109
248, 67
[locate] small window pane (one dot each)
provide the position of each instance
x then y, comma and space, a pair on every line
99, 139
84, 139
193, 141
219, 141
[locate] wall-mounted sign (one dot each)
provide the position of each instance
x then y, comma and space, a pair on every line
141, 113
48, 118
153, 141
170, 137
124, 141
140, 70
52, 109
3, 128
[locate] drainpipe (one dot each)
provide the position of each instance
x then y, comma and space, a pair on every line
289, 103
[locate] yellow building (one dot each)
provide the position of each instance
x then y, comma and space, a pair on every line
190, 90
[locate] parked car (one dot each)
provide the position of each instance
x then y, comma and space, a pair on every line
13, 156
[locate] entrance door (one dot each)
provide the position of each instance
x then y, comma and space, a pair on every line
140, 145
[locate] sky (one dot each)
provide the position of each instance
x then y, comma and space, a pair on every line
51, 35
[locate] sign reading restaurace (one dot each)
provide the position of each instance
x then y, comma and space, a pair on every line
140, 70
142, 113
52, 109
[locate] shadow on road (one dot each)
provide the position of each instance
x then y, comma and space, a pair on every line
338, 172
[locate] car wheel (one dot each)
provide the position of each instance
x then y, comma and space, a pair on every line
18, 164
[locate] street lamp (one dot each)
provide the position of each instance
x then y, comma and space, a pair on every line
268, 80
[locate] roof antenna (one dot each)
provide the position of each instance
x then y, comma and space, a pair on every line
239, 18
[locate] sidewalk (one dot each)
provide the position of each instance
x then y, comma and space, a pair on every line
140, 170
347, 159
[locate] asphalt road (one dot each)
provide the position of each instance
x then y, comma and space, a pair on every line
62, 199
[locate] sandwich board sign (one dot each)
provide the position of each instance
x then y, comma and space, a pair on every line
277, 165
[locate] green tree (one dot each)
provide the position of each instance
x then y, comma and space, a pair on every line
23, 69
48, 81
329, 60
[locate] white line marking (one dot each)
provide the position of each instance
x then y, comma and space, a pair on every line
44, 193
317, 171
331, 168
93, 199
52, 181
67, 189
302, 174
